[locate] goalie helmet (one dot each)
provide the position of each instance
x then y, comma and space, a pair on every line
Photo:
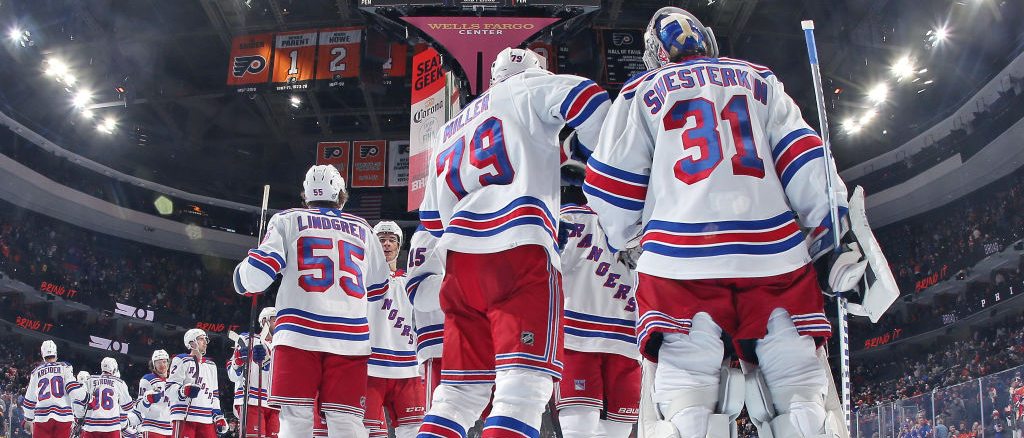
389, 227
673, 34
514, 61
48, 349
322, 183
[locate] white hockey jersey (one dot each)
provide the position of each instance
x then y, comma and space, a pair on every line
156, 417
424, 279
109, 404
52, 389
600, 304
258, 373
392, 339
712, 162
493, 176
184, 371
329, 261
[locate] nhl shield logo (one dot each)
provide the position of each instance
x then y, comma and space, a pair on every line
526, 338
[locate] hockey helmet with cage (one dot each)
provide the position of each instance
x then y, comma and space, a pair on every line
514, 61
322, 183
389, 227
673, 34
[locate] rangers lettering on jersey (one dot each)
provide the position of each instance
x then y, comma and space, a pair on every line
600, 309
392, 340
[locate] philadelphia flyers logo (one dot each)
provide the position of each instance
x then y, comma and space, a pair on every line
249, 64
367, 150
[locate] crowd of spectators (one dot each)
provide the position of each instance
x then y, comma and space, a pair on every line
99, 270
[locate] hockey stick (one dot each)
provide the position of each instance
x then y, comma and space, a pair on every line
833, 210
242, 426
188, 406
76, 432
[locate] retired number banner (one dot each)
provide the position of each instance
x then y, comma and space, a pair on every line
294, 58
338, 53
249, 63
398, 163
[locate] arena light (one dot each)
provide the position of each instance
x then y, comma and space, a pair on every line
296, 101
878, 94
903, 68
940, 34
107, 125
163, 205
14, 34
56, 68
87, 114
851, 125
868, 116
82, 98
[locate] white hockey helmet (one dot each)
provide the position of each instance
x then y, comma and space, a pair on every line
674, 33
48, 349
109, 366
323, 183
389, 227
191, 335
158, 355
514, 61
266, 314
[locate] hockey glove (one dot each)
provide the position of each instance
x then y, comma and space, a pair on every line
190, 391
153, 397
220, 423
841, 272
259, 353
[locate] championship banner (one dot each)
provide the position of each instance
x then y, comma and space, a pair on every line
368, 163
623, 54
249, 63
108, 344
336, 153
476, 41
133, 312
428, 107
294, 58
398, 163
339, 55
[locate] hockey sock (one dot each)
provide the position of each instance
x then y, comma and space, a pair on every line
344, 425
407, 431
580, 422
520, 397
296, 421
455, 409
616, 429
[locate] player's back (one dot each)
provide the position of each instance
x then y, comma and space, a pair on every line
47, 396
331, 262
600, 308
498, 160
108, 405
722, 142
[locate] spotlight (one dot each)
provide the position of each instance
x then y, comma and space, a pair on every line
851, 125
14, 34
868, 116
107, 126
56, 68
296, 101
903, 68
878, 94
82, 98
87, 113
941, 34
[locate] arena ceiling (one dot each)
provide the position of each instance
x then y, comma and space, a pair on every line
159, 67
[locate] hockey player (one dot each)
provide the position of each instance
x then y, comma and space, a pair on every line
711, 162
394, 390
52, 389
263, 418
153, 404
108, 404
192, 389
491, 193
599, 395
429, 323
330, 261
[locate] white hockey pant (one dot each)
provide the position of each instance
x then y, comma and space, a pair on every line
297, 421
586, 422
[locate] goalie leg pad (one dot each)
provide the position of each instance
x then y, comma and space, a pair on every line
794, 383
686, 383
